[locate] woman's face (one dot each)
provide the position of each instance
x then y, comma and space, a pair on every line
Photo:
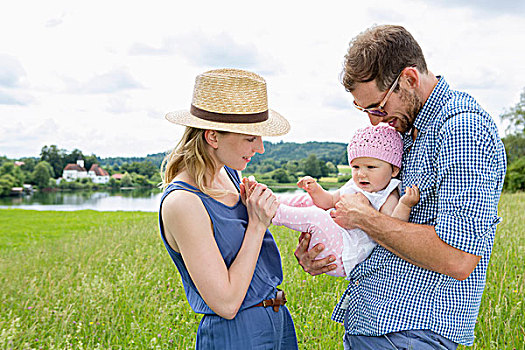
236, 150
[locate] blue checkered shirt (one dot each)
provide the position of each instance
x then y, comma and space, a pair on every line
458, 163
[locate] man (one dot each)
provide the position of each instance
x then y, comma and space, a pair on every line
422, 285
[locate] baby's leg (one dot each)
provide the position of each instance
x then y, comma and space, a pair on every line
320, 225
296, 200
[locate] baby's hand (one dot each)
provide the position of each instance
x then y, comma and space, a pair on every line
247, 185
307, 183
411, 196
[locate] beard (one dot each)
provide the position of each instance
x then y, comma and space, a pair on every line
413, 105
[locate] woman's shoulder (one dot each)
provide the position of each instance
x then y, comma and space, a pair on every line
181, 201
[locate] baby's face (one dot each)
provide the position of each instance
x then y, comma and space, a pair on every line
372, 174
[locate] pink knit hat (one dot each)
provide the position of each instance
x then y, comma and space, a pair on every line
382, 142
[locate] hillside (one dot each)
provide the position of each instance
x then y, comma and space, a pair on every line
334, 152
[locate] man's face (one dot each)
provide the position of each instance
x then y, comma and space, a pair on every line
401, 107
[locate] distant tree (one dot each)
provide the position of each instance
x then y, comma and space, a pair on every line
29, 164
515, 177
332, 169
516, 116
515, 140
55, 157
292, 166
140, 180
90, 160
9, 168
86, 180
7, 182
280, 176
146, 168
127, 180
72, 157
113, 183
156, 179
41, 175
514, 146
312, 167
344, 178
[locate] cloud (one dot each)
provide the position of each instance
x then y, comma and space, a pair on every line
340, 101
478, 77
12, 74
21, 139
220, 50
487, 7
119, 105
113, 81
7, 99
140, 49
55, 22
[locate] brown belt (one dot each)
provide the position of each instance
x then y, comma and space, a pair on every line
280, 299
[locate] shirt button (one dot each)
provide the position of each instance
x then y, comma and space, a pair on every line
356, 283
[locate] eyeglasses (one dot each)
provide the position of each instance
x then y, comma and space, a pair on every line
379, 111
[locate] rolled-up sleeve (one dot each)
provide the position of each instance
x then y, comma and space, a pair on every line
466, 177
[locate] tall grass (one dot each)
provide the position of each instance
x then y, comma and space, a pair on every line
102, 280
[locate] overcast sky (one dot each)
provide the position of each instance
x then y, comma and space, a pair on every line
100, 75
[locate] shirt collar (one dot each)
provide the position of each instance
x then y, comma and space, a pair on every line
432, 106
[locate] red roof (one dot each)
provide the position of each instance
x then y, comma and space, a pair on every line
98, 170
117, 176
74, 167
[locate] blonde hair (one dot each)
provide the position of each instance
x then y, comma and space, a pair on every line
191, 155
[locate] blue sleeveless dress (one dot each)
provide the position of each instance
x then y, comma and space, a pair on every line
252, 327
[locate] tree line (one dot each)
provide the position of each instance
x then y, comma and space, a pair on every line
282, 162
43, 171
515, 146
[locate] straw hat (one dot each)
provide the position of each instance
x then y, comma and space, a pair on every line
231, 100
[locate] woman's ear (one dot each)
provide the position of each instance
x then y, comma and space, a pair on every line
395, 171
211, 138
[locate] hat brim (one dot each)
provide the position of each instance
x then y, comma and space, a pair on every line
275, 125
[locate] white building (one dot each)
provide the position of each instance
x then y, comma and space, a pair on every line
77, 171
98, 175
74, 171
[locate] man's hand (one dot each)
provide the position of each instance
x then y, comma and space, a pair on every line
350, 209
306, 258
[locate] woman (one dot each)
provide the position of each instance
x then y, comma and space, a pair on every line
215, 233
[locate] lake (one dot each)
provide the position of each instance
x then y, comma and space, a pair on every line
125, 200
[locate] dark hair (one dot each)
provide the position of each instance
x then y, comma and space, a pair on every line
380, 53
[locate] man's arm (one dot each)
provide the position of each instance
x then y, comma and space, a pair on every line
415, 243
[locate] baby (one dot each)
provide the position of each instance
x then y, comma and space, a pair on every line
374, 153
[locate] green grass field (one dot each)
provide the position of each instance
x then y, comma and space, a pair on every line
103, 280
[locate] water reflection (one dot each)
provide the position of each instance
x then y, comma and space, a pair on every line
128, 200
125, 200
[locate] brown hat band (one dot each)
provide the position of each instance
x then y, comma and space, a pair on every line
229, 118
